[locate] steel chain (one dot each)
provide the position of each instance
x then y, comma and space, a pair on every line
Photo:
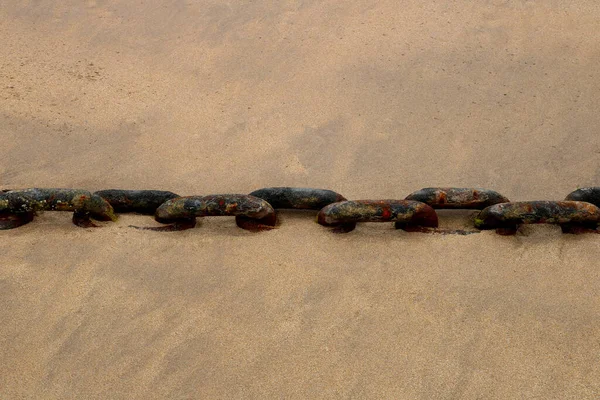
578, 213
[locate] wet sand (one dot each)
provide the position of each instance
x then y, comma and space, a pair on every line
370, 100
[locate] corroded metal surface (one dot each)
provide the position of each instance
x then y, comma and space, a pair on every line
405, 213
588, 194
251, 212
578, 214
136, 201
458, 198
82, 202
298, 198
570, 214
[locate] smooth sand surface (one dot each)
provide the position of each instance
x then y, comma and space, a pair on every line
371, 99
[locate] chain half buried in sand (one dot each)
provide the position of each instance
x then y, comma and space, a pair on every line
571, 215
344, 215
458, 198
17, 207
579, 213
251, 212
298, 198
135, 201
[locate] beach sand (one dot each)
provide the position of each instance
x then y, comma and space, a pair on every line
370, 99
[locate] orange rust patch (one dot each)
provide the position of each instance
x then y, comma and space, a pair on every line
386, 213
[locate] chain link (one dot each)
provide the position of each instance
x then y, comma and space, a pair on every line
344, 215
579, 213
458, 198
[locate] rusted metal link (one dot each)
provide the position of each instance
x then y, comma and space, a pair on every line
19, 206
457, 198
571, 215
251, 212
406, 214
587, 194
298, 198
135, 201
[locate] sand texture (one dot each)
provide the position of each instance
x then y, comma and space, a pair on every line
373, 99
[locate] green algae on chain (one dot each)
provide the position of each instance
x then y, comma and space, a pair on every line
457, 198
84, 204
573, 216
252, 213
298, 198
406, 214
587, 194
136, 201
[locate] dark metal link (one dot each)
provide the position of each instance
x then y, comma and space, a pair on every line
406, 213
588, 194
136, 201
11, 220
457, 198
298, 198
571, 215
23, 204
251, 212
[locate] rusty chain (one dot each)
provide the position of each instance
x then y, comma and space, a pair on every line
578, 213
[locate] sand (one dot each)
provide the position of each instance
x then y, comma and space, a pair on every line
371, 99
